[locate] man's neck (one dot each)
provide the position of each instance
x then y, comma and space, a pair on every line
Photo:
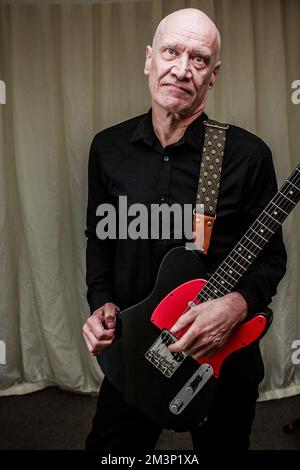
170, 127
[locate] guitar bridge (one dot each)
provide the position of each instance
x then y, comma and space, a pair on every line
164, 360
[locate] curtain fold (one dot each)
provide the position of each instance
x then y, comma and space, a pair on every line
71, 70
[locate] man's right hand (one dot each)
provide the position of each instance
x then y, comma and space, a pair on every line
99, 329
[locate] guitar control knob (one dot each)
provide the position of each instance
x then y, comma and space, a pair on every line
176, 406
190, 389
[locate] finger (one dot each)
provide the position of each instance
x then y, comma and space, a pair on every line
94, 340
198, 350
87, 342
203, 352
104, 344
104, 335
102, 347
97, 347
91, 339
95, 325
185, 342
184, 321
110, 320
110, 314
90, 343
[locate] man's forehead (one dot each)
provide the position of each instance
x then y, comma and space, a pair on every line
192, 39
189, 27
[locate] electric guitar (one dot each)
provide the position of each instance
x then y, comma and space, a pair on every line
172, 388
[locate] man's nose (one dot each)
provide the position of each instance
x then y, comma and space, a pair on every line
182, 68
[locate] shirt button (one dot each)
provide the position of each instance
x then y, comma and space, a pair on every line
162, 197
166, 158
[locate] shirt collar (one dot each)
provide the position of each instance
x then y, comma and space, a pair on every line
192, 136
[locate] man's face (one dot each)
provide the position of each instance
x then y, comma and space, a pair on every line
182, 66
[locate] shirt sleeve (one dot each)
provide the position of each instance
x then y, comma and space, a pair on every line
99, 252
259, 284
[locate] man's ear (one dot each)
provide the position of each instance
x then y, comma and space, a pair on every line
148, 60
214, 74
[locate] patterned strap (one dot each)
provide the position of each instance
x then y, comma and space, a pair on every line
211, 166
209, 183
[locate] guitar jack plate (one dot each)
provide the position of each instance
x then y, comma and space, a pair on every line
190, 389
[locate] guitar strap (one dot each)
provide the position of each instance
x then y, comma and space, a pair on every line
209, 183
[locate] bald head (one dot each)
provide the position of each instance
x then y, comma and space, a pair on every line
193, 21
182, 63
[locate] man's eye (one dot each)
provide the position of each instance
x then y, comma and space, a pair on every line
199, 59
170, 51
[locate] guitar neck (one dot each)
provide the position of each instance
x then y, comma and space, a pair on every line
250, 245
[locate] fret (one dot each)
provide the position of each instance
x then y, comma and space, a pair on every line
207, 290
222, 292
210, 283
280, 208
243, 247
272, 217
212, 295
259, 222
205, 298
211, 288
230, 268
287, 198
294, 176
241, 257
239, 254
289, 182
220, 267
216, 290
201, 298
275, 209
223, 280
237, 262
253, 230
210, 291
259, 247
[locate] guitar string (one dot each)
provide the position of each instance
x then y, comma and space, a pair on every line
237, 262
257, 242
288, 206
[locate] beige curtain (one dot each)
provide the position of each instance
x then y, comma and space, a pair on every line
70, 70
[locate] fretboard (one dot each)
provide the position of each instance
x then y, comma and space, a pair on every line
250, 245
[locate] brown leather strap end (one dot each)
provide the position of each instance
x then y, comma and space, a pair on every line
202, 228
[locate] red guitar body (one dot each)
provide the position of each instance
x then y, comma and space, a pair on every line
172, 306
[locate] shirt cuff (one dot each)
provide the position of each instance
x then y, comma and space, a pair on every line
254, 307
98, 299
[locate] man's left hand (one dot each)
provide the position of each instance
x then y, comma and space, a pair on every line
210, 324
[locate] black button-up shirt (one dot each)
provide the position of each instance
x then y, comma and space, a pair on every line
128, 159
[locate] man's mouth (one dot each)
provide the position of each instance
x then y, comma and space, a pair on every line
178, 87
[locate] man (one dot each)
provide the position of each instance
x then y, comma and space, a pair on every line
155, 158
